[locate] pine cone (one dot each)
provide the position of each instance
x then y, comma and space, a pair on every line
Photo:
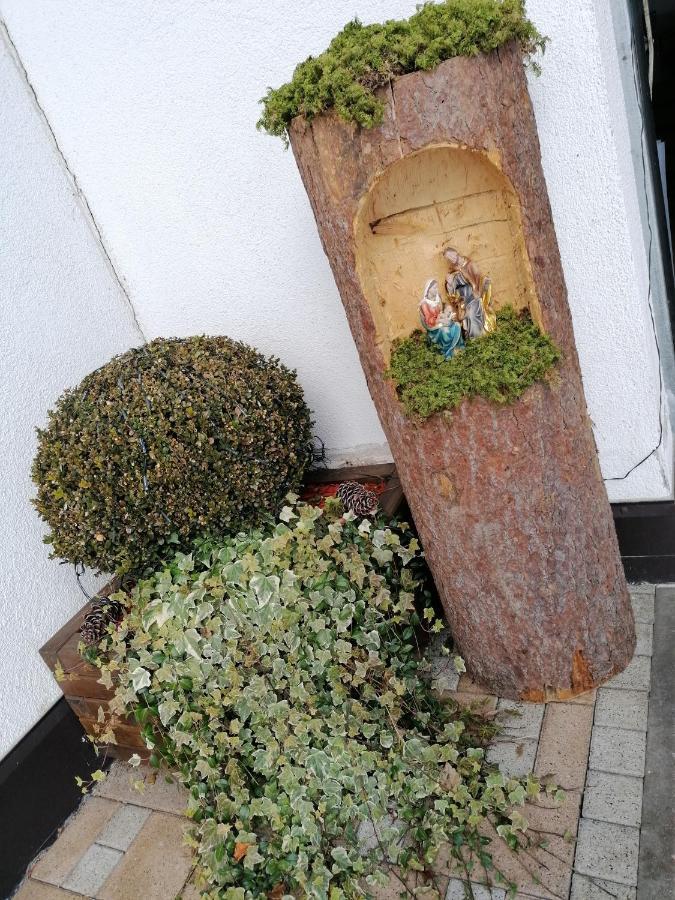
356, 498
103, 612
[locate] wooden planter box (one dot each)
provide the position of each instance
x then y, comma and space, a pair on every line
81, 688
80, 680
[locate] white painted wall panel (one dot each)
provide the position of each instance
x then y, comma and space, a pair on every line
155, 107
206, 221
63, 314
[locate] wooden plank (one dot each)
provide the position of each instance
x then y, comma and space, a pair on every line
88, 707
351, 473
127, 735
49, 651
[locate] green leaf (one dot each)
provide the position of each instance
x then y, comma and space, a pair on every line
140, 678
266, 587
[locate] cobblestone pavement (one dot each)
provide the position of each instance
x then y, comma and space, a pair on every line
126, 845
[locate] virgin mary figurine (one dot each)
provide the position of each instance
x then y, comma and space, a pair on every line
441, 325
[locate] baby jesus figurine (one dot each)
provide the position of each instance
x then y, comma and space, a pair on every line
440, 323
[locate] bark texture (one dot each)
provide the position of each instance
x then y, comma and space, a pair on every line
508, 501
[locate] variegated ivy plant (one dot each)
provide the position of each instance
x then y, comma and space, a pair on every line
277, 674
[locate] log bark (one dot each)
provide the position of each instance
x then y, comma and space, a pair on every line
509, 501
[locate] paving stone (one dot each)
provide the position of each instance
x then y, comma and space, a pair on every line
644, 632
635, 677
619, 751
613, 798
607, 851
92, 870
643, 607
555, 818
157, 794
413, 882
585, 699
515, 757
444, 682
469, 686
190, 892
622, 709
369, 834
457, 891
439, 667
480, 703
564, 743
80, 831
123, 827
643, 587
38, 890
656, 880
155, 866
584, 888
521, 719
541, 872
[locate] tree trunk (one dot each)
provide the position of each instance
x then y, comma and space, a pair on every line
508, 501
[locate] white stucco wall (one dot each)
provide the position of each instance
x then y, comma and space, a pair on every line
205, 220
154, 106
62, 314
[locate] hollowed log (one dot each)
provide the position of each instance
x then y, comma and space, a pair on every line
509, 501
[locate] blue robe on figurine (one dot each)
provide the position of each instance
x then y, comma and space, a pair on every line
447, 338
443, 331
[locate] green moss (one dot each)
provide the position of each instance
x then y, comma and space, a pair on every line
499, 366
362, 58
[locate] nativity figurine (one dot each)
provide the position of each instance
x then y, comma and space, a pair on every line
440, 321
470, 294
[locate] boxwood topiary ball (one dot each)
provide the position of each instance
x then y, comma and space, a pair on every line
181, 437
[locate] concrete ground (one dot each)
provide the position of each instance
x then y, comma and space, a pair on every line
612, 837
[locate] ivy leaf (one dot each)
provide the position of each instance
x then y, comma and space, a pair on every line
341, 857
266, 587
190, 643
156, 613
167, 710
140, 678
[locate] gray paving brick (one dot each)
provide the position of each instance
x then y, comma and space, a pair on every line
622, 709
457, 891
635, 677
613, 798
92, 870
514, 757
607, 851
644, 587
522, 720
619, 751
644, 643
643, 607
439, 667
123, 827
584, 888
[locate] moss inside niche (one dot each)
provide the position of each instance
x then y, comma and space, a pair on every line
362, 58
499, 366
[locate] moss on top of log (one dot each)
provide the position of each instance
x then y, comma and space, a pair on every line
499, 366
362, 58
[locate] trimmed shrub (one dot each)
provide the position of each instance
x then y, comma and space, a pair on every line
169, 441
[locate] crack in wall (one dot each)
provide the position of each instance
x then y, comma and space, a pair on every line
79, 193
